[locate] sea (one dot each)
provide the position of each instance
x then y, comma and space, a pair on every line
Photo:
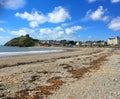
6, 51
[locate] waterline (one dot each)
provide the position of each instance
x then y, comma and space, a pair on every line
16, 51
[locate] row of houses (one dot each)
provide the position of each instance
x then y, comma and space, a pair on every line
57, 43
69, 43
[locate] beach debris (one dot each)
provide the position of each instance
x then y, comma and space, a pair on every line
34, 78
94, 66
41, 91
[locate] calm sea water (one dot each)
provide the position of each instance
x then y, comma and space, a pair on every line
15, 51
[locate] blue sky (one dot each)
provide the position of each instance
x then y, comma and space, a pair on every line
79, 20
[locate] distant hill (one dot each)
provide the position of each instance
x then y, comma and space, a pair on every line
22, 41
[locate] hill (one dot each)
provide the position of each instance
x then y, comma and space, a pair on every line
22, 41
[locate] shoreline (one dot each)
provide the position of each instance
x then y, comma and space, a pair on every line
12, 60
28, 51
47, 50
25, 53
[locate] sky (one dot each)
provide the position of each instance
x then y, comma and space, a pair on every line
79, 20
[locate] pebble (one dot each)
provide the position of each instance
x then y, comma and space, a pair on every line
1, 95
2, 87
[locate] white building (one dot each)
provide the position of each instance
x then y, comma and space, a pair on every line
114, 41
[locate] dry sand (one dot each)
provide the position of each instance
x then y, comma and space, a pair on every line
86, 73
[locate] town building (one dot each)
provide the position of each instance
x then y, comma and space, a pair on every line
114, 41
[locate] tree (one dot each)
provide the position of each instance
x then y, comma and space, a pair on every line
63, 42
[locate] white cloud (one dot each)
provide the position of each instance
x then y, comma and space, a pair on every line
64, 24
115, 1
89, 37
115, 24
45, 31
73, 29
57, 33
34, 18
58, 28
12, 4
91, 1
19, 32
4, 39
2, 30
22, 31
112, 1
59, 14
51, 33
69, 24
99, 14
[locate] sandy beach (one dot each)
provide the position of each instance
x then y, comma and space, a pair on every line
79, 73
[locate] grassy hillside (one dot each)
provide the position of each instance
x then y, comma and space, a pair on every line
22, 41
